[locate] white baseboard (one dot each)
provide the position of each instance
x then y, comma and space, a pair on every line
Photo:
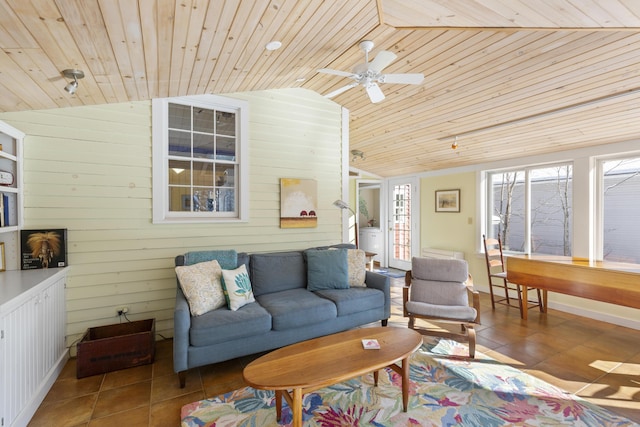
604, 317
581, 311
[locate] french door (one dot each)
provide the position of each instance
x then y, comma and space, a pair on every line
403, 220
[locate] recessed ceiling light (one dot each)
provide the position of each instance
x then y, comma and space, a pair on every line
274, 45
300, 79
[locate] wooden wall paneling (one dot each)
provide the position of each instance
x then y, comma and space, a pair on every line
123, 26
517, 13
89, 170
247, 14
150, 28
218, 23
85, 24
252, 59
13, 79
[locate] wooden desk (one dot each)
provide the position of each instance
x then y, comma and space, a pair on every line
605, 281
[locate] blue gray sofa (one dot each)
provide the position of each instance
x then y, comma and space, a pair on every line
284, 312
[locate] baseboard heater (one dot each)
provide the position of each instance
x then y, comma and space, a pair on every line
441, 254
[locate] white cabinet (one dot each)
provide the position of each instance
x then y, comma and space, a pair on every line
32, 340
11, 140
370, 240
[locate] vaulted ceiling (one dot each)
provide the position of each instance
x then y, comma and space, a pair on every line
509, 77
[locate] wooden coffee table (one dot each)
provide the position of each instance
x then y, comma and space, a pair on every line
321, 362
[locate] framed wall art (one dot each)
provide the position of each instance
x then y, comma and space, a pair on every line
298, 203
43, 248
448, 201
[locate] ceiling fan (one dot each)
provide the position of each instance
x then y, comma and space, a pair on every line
370, 74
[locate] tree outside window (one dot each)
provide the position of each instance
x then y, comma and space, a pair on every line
548, 216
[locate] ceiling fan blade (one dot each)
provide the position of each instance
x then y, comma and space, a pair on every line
374, 92
382, 59
342, 89
407, 78
336, 72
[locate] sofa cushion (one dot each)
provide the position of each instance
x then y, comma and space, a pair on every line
277, 271
202, 286
222, 325
296, 308
354, 300
227, 259
243, 258
237, 287
327, 269
356, 267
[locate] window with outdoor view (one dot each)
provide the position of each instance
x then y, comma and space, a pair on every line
530, 209
199, 159
620, 200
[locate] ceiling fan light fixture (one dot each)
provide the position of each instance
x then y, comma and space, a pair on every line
369, 74
72, 73
366, 46
72, 87
355, 154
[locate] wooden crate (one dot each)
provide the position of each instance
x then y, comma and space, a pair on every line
112, 347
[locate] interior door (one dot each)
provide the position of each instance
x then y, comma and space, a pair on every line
371, 215
402, 222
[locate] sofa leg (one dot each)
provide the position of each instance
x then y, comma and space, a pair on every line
384, 322
182, 377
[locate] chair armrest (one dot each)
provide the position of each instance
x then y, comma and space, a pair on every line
405, 293
407, 278
475, 297
405, 298
469, 283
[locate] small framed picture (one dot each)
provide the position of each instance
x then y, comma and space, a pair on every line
448, 201
43, 248
3, 264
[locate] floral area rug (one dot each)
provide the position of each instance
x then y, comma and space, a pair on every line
447, 389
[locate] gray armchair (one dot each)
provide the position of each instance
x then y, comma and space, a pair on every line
440, 290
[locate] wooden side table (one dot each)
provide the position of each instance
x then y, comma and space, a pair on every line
368, 256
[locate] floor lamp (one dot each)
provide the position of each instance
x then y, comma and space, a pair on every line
343, 205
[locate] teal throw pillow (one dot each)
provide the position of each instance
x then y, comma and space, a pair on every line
327, 269
237, 287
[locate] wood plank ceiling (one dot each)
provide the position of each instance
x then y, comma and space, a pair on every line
509, 77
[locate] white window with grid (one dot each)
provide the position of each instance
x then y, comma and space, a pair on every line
200, 159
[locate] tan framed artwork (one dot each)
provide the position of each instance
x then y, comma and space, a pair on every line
448, 201
298, 203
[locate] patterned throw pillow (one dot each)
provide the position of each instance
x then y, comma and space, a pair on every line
357, 267
202, 286
237, 287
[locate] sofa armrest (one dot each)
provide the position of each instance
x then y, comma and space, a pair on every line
381, 282
181, 326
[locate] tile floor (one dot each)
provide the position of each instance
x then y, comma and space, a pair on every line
596, 360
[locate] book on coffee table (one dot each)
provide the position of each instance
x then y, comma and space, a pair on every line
370, 344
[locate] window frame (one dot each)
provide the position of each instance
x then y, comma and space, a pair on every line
487, 200
599, 216
160, 148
